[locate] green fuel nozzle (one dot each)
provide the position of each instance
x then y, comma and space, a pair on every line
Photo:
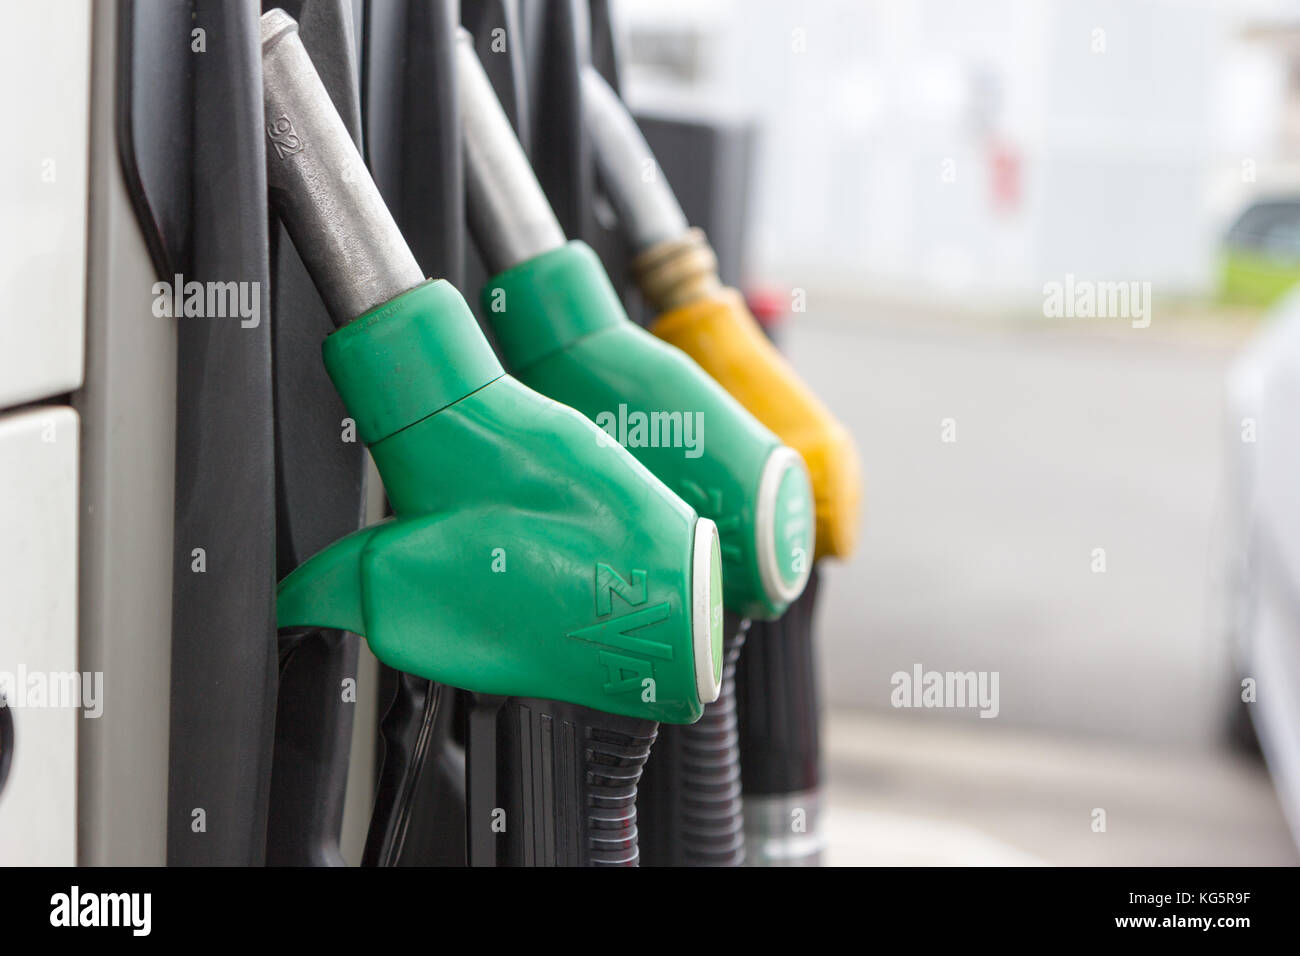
527, 557
676, 270
563, 331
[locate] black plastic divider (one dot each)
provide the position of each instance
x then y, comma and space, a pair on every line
412, 119
557, 45
561, 38
190, 140
497, 28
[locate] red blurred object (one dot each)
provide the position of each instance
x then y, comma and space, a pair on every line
1004, 164
769, 304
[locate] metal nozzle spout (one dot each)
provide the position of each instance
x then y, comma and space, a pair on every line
509, 216
321, 188
648, 212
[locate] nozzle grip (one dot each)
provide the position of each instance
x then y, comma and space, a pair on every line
527, 558
416, 588
719, 332
563, 331
565, 785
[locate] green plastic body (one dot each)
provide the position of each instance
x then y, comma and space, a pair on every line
563, 331
526, 558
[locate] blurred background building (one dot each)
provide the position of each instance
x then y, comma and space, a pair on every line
983, 148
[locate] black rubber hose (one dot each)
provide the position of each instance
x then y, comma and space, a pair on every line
689, 805
406, 730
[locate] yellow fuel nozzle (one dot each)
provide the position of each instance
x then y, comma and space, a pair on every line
712, 324
678, 274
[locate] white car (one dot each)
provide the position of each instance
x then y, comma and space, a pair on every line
1263, 442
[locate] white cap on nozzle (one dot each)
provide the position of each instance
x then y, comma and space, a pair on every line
706, 610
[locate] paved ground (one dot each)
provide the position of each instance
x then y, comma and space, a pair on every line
917, 792
978, 554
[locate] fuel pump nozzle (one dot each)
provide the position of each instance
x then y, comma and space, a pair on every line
563, 331
776, 688
514, 525
677, 272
